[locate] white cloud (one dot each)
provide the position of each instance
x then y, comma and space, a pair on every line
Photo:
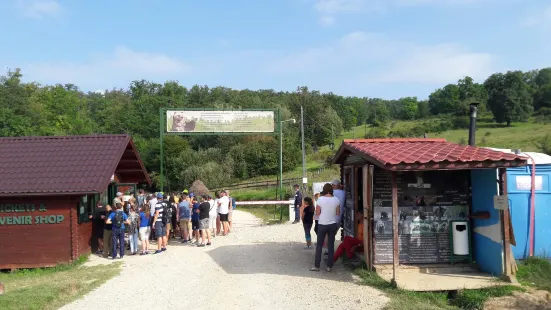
378, 59
108, 70
540, 18
327, 20
332, 8
339, 6
39, 9
442, 63
349, 65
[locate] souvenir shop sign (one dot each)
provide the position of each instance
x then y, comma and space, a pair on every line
25, 218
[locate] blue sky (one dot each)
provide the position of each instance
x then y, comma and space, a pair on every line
374, 48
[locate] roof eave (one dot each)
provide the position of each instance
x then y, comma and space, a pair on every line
50, 194
446, 165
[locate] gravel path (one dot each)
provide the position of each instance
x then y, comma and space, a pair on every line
255, 267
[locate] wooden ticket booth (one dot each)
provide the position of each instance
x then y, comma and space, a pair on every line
49, 187
410, 192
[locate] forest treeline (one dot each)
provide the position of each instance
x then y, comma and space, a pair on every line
28, 108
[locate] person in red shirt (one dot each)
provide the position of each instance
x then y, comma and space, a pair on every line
350, 245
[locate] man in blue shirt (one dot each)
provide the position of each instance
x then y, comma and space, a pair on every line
184, 216
118, 219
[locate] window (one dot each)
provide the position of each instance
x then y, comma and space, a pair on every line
86, 207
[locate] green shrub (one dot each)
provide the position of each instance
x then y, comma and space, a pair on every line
460, 122
376, 132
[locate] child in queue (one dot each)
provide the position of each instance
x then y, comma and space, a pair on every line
308, 220
195, 220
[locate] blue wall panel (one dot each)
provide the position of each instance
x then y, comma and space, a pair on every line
520, 211
487, 248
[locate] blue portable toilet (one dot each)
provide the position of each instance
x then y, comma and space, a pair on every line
519, 183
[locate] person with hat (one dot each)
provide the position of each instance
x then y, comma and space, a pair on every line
160, 220
298, 203
118, 199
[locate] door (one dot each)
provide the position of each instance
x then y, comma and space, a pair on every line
351, 197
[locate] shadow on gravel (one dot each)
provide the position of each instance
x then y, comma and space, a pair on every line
275, 258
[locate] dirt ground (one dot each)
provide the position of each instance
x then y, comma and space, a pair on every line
255, 267
530, 300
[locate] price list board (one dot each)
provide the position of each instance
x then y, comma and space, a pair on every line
427, 201
420, 249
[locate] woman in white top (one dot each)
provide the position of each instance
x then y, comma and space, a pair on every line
213, 214
316, 217
327, 210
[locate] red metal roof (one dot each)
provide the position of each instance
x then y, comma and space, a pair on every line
67, 165
426, 154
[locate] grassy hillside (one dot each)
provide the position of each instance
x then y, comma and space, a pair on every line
519, 135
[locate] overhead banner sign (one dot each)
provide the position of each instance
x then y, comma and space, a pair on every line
220, 121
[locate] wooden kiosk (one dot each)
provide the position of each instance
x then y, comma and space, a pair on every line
410, 191
48, 188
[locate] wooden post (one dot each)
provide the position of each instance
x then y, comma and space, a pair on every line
505, 224
395, 246
366, 206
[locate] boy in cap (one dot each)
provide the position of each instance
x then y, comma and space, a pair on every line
160, 222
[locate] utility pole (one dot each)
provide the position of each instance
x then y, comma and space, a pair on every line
304, 179
280, 125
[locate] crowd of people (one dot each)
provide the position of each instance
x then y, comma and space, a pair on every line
194, 220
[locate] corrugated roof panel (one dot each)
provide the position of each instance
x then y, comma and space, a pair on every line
64, 165
426, 151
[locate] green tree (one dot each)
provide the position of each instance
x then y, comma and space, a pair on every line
445, 100
509, 97
423, 108
378, 112
410, 108
470, 92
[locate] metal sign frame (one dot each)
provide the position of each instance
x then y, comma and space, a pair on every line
163, 132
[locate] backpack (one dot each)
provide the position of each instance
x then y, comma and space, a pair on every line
119, 219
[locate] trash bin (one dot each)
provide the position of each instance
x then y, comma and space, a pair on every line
460, 236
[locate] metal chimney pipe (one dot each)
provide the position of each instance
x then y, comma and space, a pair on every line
472, 126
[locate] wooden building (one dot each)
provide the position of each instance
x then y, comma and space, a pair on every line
410, 192
48, 188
